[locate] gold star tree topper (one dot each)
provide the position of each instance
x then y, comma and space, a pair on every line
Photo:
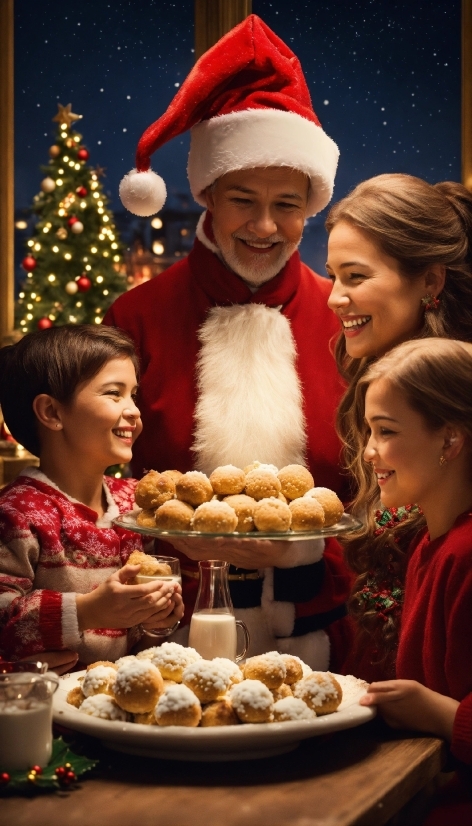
65, 115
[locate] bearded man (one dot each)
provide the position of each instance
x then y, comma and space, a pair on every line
234, 341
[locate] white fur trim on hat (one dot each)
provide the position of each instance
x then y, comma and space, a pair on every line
143, 193
260, 138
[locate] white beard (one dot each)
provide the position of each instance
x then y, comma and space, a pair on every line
258, 272
250, 404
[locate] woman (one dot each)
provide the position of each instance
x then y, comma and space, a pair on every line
400, 258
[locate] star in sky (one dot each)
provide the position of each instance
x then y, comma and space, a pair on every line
65, 115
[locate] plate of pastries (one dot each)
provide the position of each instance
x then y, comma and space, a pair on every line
259, 499
167, 701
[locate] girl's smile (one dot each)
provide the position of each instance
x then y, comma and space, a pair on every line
403, 450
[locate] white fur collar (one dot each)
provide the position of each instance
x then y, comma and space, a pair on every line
104, 521
200, 232
249, 401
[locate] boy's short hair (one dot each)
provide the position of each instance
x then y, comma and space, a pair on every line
54, 361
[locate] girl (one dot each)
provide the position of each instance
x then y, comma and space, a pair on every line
68, 395
400, 259
414, 409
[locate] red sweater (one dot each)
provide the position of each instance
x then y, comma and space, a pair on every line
51, 548
436, 634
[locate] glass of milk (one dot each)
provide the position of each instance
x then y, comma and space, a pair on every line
213, 627
175, 575
25, 715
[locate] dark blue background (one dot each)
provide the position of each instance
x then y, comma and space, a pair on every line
384, 79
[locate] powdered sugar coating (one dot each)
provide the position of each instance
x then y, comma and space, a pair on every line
207, 675
318, 687
147, 654
292, 708
171, 659
103, 706
98, 680
131, 673
251, 693
175, 698
128, 658
234, 671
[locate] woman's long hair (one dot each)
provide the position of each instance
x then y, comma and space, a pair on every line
418, 225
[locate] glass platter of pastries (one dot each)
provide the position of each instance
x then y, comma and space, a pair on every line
169, 702
259, 501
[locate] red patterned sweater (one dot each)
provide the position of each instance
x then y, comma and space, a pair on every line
436, 636
52, 547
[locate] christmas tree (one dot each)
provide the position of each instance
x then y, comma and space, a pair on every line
74, 264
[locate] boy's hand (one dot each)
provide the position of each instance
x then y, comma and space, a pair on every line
168, 616
408, 704
115, 604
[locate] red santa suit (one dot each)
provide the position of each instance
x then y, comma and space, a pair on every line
231, 376
52, 548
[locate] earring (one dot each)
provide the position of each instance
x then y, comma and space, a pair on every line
430, 302
442, 461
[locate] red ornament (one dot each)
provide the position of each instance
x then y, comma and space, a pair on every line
44, 323
83, 283
29, 263
81, 191
4, 778
72, 220
37, 769
83, 154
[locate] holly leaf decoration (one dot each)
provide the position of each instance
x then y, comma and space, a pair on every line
60, 774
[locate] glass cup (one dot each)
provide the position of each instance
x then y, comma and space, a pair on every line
175, 576
26, 691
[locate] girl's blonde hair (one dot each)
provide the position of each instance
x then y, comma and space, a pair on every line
434, 376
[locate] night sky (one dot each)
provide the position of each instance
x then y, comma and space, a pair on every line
384, 79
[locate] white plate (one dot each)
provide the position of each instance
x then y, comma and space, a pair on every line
244, 742
346, 523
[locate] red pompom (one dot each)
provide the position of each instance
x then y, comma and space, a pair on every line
29, 263
72, 220
81, 191
83, 154
44, 323
83, 283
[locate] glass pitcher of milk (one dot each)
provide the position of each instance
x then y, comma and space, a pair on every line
25, 715
213, 627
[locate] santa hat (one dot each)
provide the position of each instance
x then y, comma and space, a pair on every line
247, 105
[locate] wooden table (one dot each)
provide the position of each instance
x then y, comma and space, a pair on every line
360, 777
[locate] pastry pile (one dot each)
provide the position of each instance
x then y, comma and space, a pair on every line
170, 685
258, 498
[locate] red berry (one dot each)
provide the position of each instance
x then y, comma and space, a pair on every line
29, 263
70, 775
37, 769
60, 771
4, 778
